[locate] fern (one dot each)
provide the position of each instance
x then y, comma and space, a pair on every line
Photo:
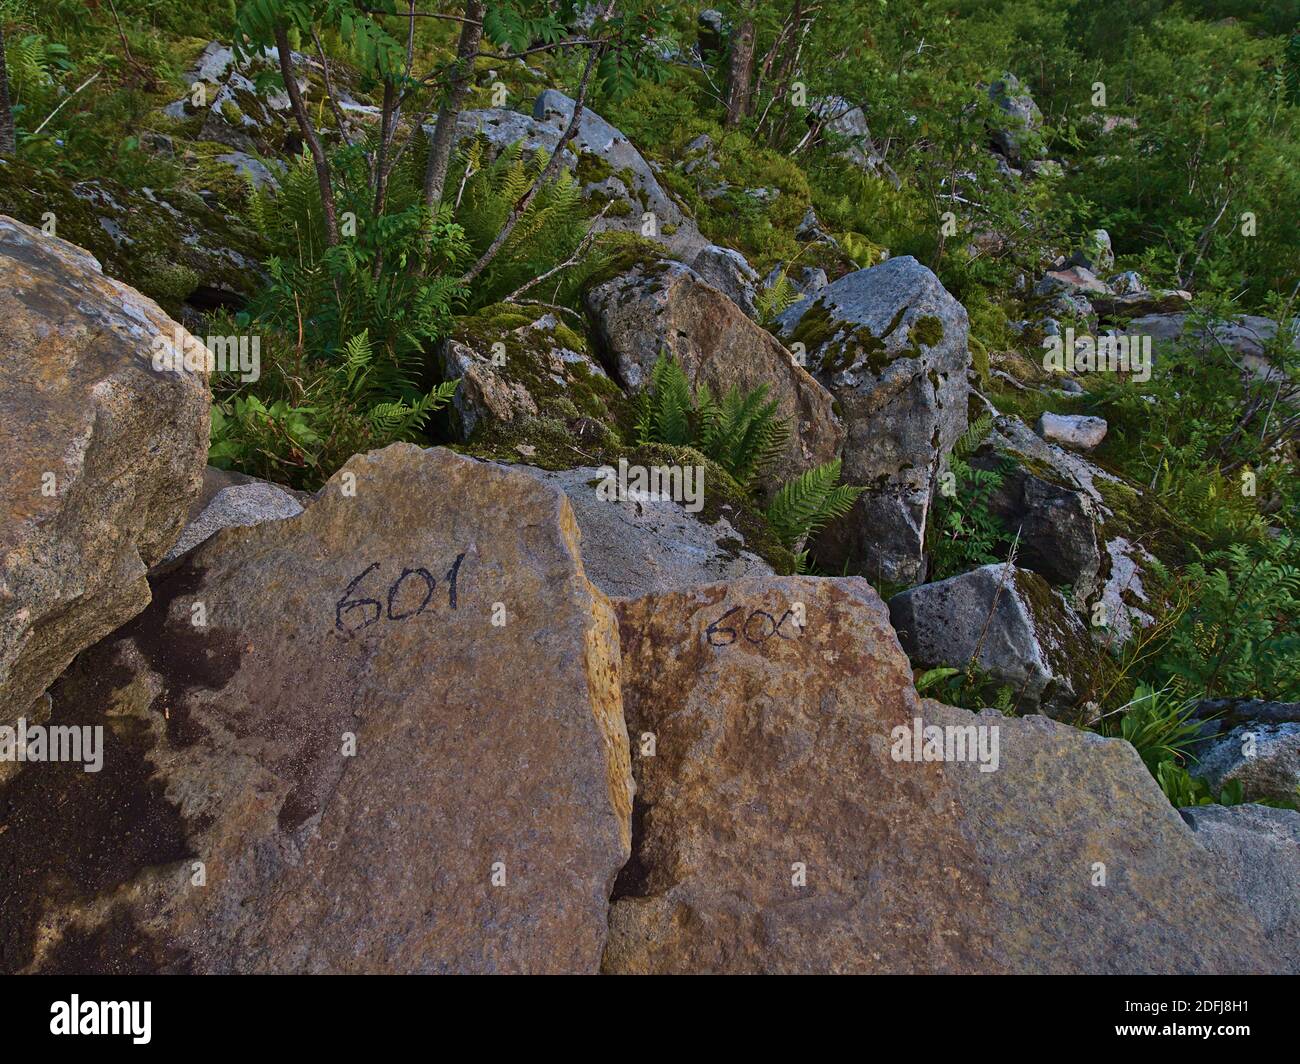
806, 504
776, 299
741, 433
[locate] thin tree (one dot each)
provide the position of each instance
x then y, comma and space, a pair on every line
8, 141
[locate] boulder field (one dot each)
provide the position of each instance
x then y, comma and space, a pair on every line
458, 715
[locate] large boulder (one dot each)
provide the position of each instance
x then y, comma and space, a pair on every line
103, 454
173, 246
664, 306
1249, 336
783, 825
1258, 849
1078, 524
634, 544
890, 343
605, 162
383, 736
518, 363
1263, 758
1005, 620
730, 273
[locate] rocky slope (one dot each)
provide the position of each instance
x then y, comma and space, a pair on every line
467, 709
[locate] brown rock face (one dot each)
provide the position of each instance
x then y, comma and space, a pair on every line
102, 454
668, 307
772, 751
776, 830
374, 776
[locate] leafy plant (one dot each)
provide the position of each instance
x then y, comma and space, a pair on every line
806, 504
1159, 725
741, 433
964, 532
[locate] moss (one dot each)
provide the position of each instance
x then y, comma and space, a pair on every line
625, 252
927, 330
592, 169
160, 245
231, 113
816, 327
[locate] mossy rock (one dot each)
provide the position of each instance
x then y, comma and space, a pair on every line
157, 243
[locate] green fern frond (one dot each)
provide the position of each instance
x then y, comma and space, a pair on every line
806, 504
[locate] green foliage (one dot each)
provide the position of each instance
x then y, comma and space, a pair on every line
322, 414
1159, 725
805, 505
1240, 635
963, 532
774, 300
549, 231
741, 432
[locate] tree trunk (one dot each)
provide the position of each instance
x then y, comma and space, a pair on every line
7, 141
444, 131
740, 78
309, 135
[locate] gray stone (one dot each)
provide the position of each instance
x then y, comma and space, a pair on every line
239, 505
730, 273
1008, 621
1022, 113
667, 307
1247, 336
1264, 758
890, 343
258, 173
1258, 851
1127, 283
634, 547
1096, 254
1080, 431
1071, 280
1126, 605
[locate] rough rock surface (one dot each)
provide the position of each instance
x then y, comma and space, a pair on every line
1258, 849
478, 825
1009, 621
1132, 304
729, 273
1247, 336
1096, 253
620, 171
520, 365
634, 547
1072, 430
777, 833
890, 343
1057, 527
103, 454
665, 306
236, 505
1263, 758
1022, 113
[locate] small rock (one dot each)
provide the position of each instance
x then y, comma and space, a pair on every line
1264, 758
1009, 621
1080, 431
